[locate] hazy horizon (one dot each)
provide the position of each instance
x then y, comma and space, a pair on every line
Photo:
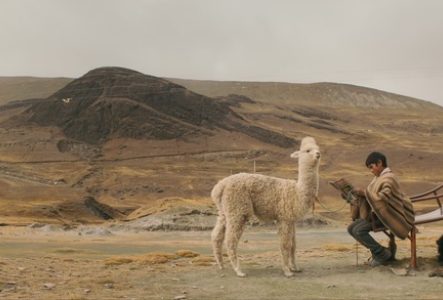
391, 45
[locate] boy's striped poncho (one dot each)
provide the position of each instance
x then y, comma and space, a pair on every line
390, 205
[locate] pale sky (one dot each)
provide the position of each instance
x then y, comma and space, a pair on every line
391, 45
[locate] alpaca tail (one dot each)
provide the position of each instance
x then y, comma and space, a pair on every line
216, 195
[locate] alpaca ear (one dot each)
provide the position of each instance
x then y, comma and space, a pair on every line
295, 154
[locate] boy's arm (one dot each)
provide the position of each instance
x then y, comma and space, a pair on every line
358, 192
355, 207
344, 187
355, 197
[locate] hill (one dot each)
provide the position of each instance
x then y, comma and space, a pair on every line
132, 140
112, 102
323, 94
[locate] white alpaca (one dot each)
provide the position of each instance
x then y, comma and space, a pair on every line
241, 196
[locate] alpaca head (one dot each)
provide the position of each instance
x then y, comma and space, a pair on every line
309, 153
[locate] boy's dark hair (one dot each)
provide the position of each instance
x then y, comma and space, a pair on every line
374, 157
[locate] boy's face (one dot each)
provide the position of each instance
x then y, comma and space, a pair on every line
376, 168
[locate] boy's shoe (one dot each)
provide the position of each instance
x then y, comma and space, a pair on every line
381, 259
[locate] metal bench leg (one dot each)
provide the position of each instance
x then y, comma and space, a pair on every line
413, 263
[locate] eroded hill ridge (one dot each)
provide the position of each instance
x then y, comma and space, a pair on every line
114, 102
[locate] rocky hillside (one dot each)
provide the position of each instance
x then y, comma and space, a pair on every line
115, 102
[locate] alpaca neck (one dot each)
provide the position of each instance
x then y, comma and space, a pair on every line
307, 185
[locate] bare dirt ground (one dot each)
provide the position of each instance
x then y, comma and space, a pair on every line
102, 262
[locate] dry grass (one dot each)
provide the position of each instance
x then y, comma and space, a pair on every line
187, 253
203, 261
165, 204
153, 258
339, 247
116, 261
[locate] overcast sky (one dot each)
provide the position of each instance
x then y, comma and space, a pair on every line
392, 45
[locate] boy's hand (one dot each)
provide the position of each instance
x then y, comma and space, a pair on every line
358, 192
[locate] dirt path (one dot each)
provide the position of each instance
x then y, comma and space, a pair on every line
100, 264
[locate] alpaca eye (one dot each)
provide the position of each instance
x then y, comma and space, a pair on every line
308, 151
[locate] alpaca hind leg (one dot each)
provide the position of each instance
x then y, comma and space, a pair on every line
286, 232
234, 230
217, 237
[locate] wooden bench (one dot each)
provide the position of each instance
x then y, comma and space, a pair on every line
420, 218
428, 217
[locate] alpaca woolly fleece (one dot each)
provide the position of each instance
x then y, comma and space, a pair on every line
241, 196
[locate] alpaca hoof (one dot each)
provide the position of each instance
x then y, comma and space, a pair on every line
240, 274
296, 270
289, 274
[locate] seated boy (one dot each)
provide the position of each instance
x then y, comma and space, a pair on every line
381, 204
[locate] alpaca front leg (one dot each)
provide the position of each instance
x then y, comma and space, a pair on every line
292, 265
234, 230
286, 231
